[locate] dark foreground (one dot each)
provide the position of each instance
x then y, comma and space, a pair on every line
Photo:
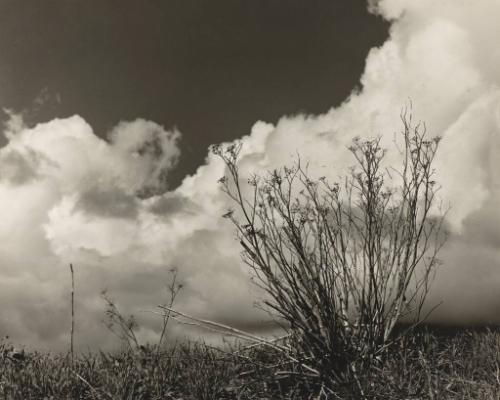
426, 365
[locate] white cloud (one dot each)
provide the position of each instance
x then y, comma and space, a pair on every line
68, 196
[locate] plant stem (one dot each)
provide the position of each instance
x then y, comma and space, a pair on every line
72, 314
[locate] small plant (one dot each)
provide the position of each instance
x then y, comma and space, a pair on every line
173, 290
125, 327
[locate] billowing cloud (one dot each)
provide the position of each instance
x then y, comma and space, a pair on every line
68, 196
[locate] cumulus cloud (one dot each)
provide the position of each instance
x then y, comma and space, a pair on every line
69, 196
105, 205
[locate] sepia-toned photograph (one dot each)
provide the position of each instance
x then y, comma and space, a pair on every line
250, 199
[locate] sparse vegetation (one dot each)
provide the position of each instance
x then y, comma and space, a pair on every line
428, 364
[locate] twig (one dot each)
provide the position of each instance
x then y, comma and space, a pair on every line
246, 358
72, 315
251, 346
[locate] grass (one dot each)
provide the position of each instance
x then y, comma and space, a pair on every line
428, 364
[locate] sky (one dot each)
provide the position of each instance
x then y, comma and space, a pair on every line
209, 68
109, 112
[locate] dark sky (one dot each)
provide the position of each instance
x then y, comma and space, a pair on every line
210, 67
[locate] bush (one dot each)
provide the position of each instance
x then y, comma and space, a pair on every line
341, 263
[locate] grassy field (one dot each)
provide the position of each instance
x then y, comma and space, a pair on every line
428, 364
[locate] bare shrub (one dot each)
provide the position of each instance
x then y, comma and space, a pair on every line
342, 262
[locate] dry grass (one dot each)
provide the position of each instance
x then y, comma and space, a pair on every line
426, 365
